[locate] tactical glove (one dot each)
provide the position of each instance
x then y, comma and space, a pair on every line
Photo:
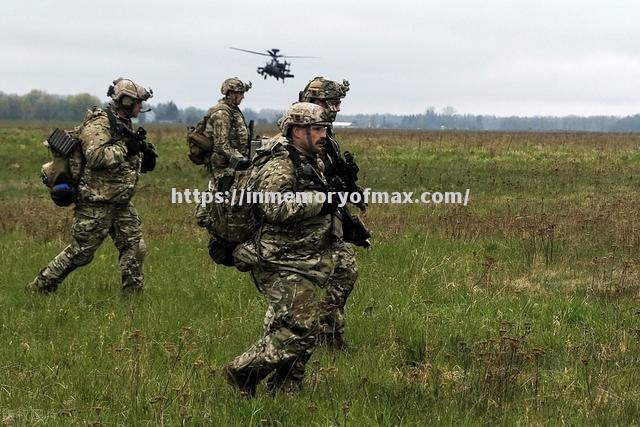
239, 163
133, 147
221, 251
149, 157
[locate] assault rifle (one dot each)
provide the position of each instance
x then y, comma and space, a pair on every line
148, 150
342, 176
253, 142
139, 136
138, 140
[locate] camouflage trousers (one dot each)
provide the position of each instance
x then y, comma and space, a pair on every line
339, 287
92, 222
290, 328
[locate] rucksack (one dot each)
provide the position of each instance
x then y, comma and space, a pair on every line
63, 173
200, 146
235, 222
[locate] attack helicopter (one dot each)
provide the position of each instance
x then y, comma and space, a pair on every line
274, 68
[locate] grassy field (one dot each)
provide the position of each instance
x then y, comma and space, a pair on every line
520, 308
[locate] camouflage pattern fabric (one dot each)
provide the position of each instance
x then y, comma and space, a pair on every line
325, 93
293, 237
227, 128
234, 84
103, 208
110, 175
291, 262
290, 328
92, 222
339, 287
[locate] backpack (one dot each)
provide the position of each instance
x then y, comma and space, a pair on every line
200, 146
63, 173
235, 222
67, 162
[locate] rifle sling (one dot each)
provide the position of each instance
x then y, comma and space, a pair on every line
294, 155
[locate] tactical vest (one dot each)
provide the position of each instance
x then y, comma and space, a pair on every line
301, 246
235, 223
115, 184
238, 134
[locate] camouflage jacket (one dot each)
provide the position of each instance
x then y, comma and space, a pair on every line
110, 175
228, 130
294, 236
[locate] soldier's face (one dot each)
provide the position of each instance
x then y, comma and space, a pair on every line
137, 106
315, 138
236, 97
310, 139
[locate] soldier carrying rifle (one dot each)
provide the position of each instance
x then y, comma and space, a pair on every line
341, 173
112, 156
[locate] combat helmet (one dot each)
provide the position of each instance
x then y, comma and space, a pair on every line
124, 92
234, 84
302, 114
321, 88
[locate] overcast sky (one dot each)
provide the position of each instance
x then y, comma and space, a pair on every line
520, 57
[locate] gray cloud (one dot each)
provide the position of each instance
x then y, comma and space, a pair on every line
502, 57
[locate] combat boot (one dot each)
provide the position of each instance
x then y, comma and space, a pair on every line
287, 378
38, 287
246, 384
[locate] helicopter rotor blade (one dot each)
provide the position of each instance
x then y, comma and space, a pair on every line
249, 51
290, 56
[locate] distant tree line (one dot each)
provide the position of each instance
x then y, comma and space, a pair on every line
170, 113
39, 105
448, 119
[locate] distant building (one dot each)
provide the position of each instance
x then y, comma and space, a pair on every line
342, 124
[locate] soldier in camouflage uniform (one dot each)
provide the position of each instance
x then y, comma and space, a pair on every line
227, 128
112, 163
290, 258
328, 94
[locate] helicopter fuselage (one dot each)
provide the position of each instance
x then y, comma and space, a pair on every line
276, 69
